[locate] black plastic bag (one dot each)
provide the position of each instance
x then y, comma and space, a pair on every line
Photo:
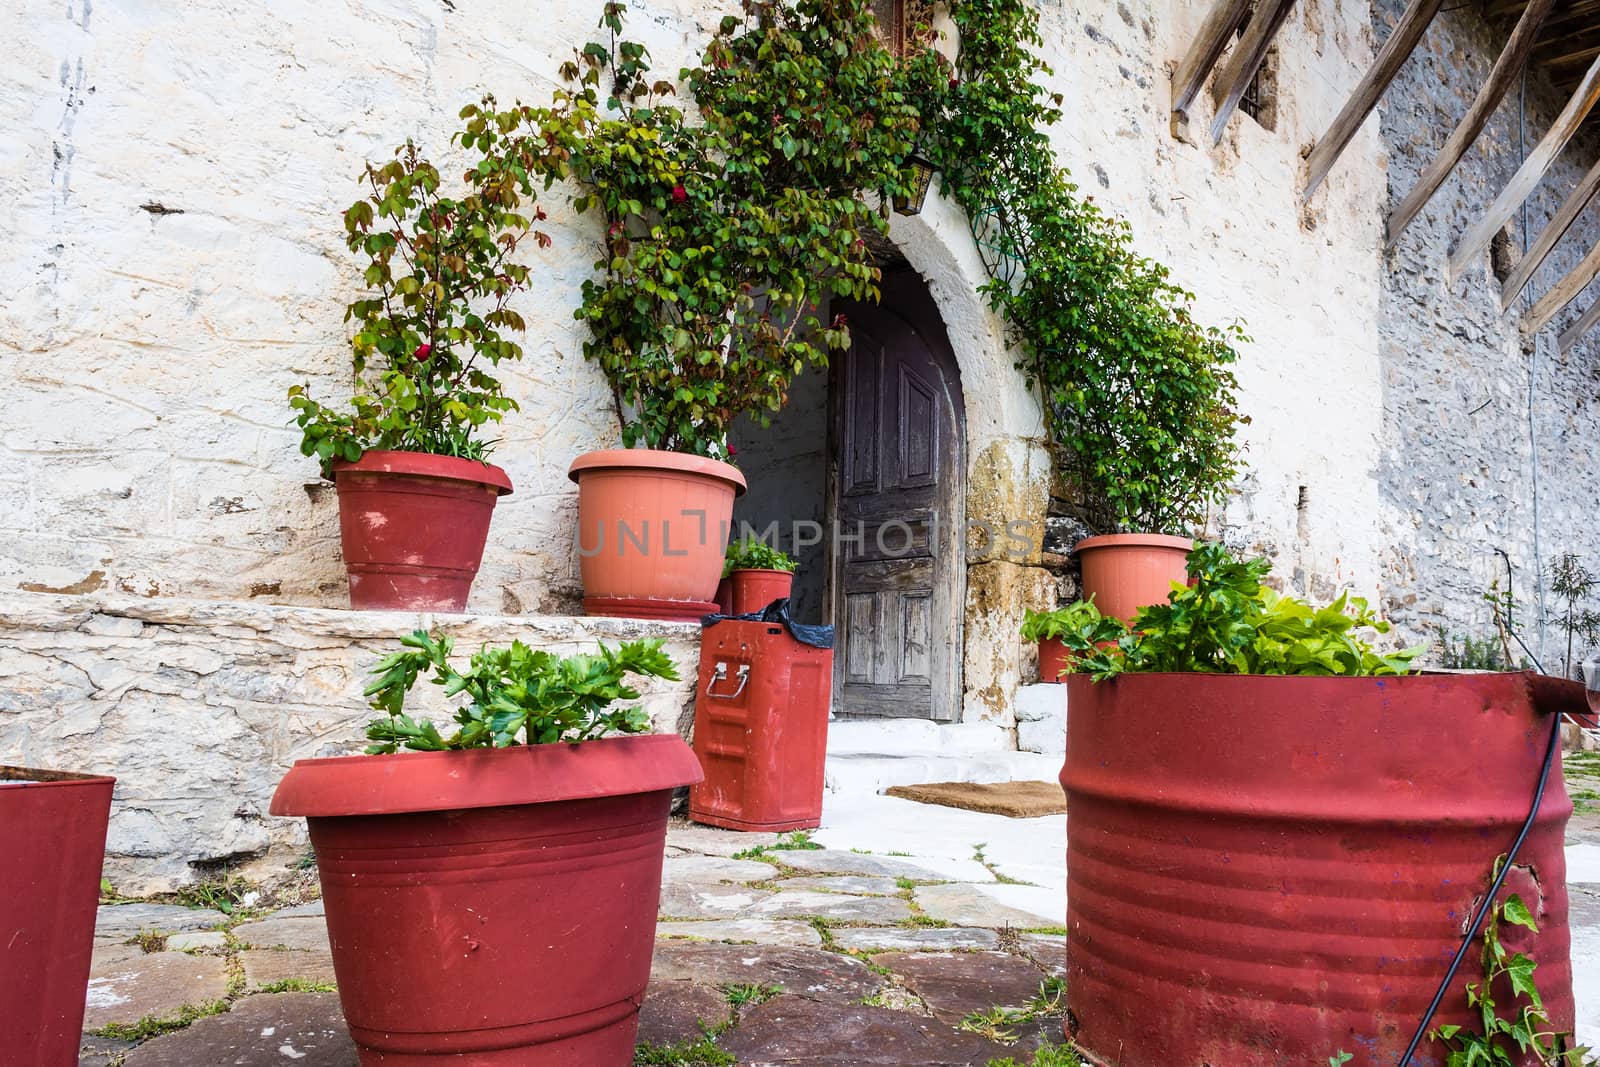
778, 612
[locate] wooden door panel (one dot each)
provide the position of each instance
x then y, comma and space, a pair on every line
898, 575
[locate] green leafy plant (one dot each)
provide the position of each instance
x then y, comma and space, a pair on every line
1470, 653
1050, 625
512, 693
1340, 1058
1575, 584
1511, 1030
748, 995
726, 225
1227, 622
754, 554
999, 1023
1138, 396
440, 275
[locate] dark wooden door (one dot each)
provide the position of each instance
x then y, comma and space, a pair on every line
898, 575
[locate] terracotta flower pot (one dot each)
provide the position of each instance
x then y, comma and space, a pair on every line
652, 527
725, 597
1125, 572
1286, 864
53, 833
754, 589
493, 906
1052, 659
413, 527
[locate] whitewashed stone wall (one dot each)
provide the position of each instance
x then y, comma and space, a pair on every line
199, 708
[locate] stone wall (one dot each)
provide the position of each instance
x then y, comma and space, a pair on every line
198, 708
1476, 462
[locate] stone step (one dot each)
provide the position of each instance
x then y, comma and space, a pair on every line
897, 736
873, 772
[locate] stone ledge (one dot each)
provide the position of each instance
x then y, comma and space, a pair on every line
199, 707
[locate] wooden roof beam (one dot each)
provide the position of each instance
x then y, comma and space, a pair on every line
1559, 224
1391, 57
1530, 174
1574, 333
1246, 60
1483, 106
1564, 292
1221, 21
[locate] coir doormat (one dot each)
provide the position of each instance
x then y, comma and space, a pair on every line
1019, 800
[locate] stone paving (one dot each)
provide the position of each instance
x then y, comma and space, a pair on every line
854, 954
766, 954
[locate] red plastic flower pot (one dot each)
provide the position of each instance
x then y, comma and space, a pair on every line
1052, 660
652, 530
413, 527
53, 835
496, 906
754, 589
1125, 572
1265, 870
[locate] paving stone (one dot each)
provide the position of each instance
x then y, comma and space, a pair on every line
955, 984
1018, 906
710, 841
680, 1010
108, 952
860, 884
684, 900
747, 931
265, 966
308, 934
811, 973
1048, 951
122, 921
794, 1032
832, 906
196, 939
305, 1029
102, 1051
301, 911
913, 939
838, 861
159, 983
714, 869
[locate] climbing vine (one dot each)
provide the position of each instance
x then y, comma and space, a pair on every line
1138, 396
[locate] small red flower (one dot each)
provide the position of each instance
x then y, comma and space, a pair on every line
679, 194
955, 83
732, 451
423, 352
840, 321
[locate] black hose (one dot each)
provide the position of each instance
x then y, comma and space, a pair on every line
1494, 891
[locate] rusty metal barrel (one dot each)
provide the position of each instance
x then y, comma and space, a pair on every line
1264, 871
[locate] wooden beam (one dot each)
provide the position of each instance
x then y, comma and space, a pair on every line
1564, 292
1529, 175
1246, 60
1556, 229
1391, 57
1221, 22
1483, 106
1574, 333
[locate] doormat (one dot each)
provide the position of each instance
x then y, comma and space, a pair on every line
1019, 800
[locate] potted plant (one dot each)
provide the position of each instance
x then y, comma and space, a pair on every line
493, 891
407, 455
759, 574
725, 227
1046, 628
1285, 807
53, 829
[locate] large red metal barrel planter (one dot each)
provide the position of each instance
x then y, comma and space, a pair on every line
492, 908
53, 840
1264, 871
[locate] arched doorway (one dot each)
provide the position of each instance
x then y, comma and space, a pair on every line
861, 477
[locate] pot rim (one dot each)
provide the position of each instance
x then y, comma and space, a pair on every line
407, 782
1133, 540
426, 465
658, 459
760, 570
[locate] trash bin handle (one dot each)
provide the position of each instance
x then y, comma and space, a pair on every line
720, 673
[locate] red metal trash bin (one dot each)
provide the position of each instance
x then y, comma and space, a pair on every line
760, 728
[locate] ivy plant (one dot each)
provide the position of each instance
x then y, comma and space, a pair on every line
1227, 622
1509, 1028
754, 554
1139, 397
515, 695
436, 318
725, 226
